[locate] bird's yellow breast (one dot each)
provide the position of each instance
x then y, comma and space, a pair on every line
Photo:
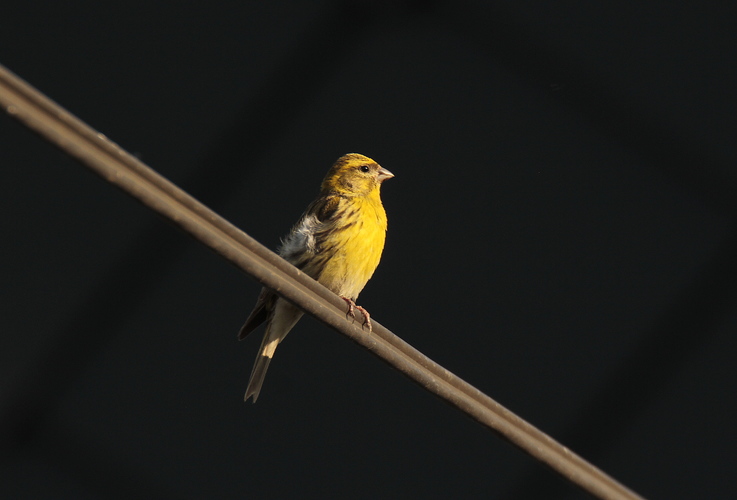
358, 247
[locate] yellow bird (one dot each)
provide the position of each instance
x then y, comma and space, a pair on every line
338, 242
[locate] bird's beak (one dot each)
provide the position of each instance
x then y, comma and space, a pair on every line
384, 174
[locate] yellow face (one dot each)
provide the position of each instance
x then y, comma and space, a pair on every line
355, 175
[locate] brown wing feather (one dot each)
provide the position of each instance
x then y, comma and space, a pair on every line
325, 207
261, 311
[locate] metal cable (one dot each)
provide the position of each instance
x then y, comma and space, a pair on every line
314, 57
120, 168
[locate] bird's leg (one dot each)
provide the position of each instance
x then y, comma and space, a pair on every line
351, 305
366, 316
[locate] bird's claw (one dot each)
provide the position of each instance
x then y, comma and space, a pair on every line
351, 305
366, 316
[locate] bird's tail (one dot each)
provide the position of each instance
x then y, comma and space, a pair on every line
257, 377
285, 317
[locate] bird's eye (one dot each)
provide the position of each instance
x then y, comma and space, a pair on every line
364, 168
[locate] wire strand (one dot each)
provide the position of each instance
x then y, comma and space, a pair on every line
125, 171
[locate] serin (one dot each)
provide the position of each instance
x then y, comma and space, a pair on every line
338, 242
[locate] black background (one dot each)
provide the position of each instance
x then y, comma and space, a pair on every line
561, 235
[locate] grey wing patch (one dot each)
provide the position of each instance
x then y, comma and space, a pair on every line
305, 246
301, 240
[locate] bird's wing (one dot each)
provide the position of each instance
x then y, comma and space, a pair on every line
298, 248
306, 239
325, 207
262, 309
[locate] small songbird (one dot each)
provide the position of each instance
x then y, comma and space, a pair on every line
338, 242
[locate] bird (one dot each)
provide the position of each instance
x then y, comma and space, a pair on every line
338, 241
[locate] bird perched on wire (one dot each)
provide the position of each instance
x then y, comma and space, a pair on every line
338, 242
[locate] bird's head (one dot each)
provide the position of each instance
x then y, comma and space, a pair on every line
355, 175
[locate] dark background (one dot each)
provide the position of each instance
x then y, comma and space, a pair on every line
561, 235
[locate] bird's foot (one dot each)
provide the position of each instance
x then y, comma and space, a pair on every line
351, 306
366, 316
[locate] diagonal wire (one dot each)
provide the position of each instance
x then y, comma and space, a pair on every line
129, 174
693, 320
317, 54
648, 369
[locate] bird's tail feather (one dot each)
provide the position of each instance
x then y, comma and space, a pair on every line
257, 377
283, 320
